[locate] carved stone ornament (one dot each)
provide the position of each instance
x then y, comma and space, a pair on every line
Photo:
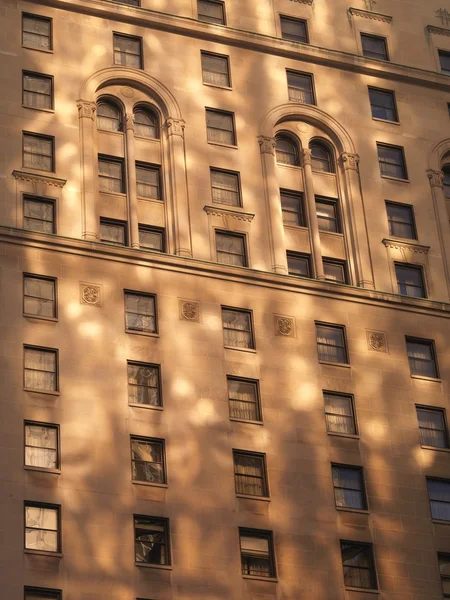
376, 341
175, 126
189, 310
306, 156
35, 178
86, 109
90, 294
303, 1
226, 212
127, 92
438, 30
266, 145
129, 122
284, 326
367, 14
402, 245
436, 178
444, 16
349, 161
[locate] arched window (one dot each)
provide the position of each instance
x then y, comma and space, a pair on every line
145, 124
446, 171
286, 151
321, 159
108, 116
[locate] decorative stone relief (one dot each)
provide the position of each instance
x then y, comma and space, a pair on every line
376, 341
90, 294
438, 30
127, 92
284, 326
349, 161
175, 126
444, 16
368, 14
400, 245
189, 310
266, 145
35, 178
86, 109
226, 212
303, 1
129, 122
306, 156
436, 178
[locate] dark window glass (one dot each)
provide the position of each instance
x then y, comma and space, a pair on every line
215, 69
286, 151
127, 51
294, 30
231, 249
147, 181
300, 87
299, 264
401, 220
108, 117
334, 270
237, 328
421, 357
144, 384
432, 427
383, 104
39, 296
410, 280
444, 569
32, 593
140, 312
359, 566
211, 11
321, 159
151, 537
331, 343
36, 32
113, 232
250, 474
327, 214
392, 161
110, 175
37, 90
130, 2
220, 127
147, 460
439, 495
444, 59
374, 46
38, 214
38, 151
243, 399
292, 208
42, 527
446, 172
257, 555
152, 238
40, 369
348, 487
225, 188
41, 445
145, 124
339, 413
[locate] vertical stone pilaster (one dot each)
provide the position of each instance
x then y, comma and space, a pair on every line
441, 212
131, 182
314, 234
89, 175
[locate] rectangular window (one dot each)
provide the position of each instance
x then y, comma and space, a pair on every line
444, 569
331, 344
127, 51
111, 175
432, 427
359, 565
38, 151
33, 593
39, 296
374, 46
243, 398
147, 460
151, 238
40, 369
220, 127
114, 232
38, 214
250, 475
41, 445
151, 540
292, 208
444, 60
348, 485
401, 220
383, 105
36, 32
439, 495
257, 554
299, 264
140, 312
410, 280
230, 249
37, 90
294, 29
335, 270
339, 413
216, 69
300, 87
42, 527
237, 328
148, 181
144, 385
392, 161
327, 214
211, 11
422, 357
225, 187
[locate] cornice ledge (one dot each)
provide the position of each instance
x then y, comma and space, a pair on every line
396, 244
438, 30
367, 14
303, 1
226, 212
36, 178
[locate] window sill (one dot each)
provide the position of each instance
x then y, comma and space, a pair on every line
38, 318
395, 179
118, 194
47, 110
146, 406
362, 590
435, 448
42, 470
249, 497
41, 172
424, 378
358, 511
149, 484
256, 578
108, 132
288, 166
249, 350
149, 566
144, 333
336, 234
233, 146
43, 553
38, 49
440, 522
327, 173
296, 100
236, 420
295, 227
385, 121
352, 436
157, 200
215, 85
141, 137
335, 364
46, 392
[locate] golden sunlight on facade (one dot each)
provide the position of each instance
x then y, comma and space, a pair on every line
225, 282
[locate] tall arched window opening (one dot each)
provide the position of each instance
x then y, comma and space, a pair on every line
145, 124
109, 117
287, 151
321, 159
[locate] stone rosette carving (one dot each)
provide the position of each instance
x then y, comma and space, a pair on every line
284, 326
90, 294
367, 14
86, 109
349, 161
267, 145
376, 341
436, 178
189, 310
175, 126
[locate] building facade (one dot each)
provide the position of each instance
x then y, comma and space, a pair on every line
225, 283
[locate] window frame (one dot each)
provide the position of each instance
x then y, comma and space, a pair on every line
404, 165
151, 111
162, 443
111, 102
49, 138
153, 229
432, 346
168, 551
444, 480
263, 534
38, 18
445, 556
43, 200
54, 351
54, 280
233, 234
216, 55
334, 202
312, 91
412, 267
51, 78
393, 95
351, 399
300, 256
410, 207
106, 158
105, 221
264, 475
221, 4
342, 328
252, 328
373, 569
53, 594
139, 363
258, 406
136, 38
154, 168
290, 139
443, 53
56, 426
155, 304
294, 20
237, 175
362, 491
57, 507
326, 260
301, 213
445, 430
363, 35
233, 121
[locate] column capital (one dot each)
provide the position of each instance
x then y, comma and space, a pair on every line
86, 109
306, 156
129, 122
175, 126
349, 161
267, 145
436, 178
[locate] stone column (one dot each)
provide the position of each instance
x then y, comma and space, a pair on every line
313, 223
273, 203
357, 224
441, 213
89, 174
177, 173
132, 203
